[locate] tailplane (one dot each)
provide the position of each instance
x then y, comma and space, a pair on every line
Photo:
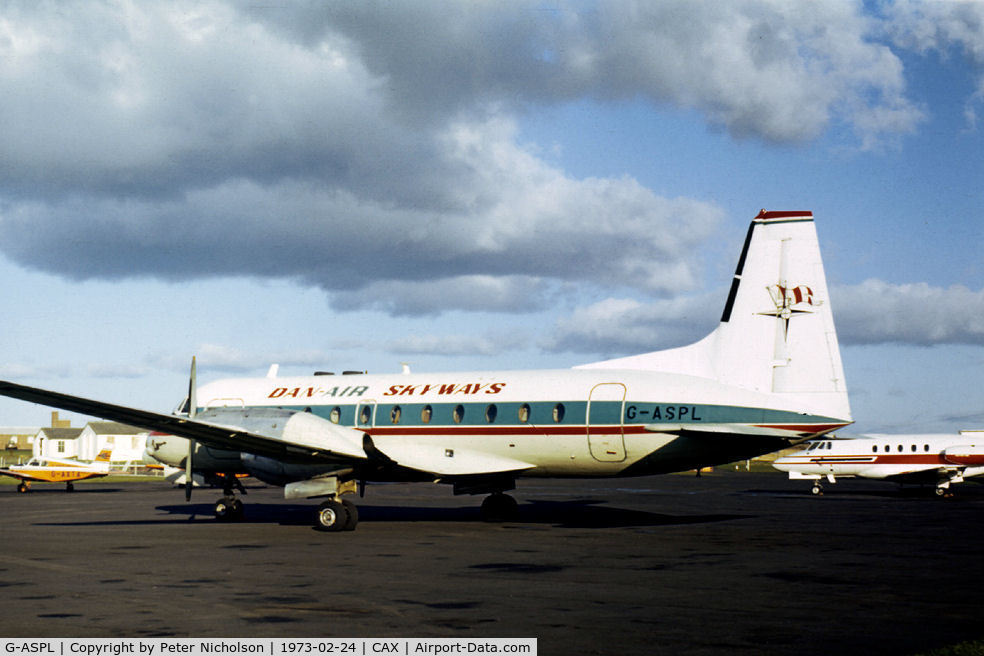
777, 331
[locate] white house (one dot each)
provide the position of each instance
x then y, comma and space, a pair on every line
127, 442
56, 443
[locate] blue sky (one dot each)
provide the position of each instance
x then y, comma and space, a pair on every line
499, 185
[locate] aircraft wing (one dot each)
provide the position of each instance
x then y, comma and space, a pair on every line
17, 475
440, 461
215, 435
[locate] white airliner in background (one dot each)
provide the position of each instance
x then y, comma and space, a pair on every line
932, 459
768, 376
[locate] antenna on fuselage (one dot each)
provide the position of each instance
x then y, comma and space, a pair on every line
192, 411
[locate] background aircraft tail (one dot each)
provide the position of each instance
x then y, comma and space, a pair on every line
777, 331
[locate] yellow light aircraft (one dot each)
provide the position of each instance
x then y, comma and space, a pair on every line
54, 470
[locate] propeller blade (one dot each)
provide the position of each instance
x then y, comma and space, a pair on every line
192, 411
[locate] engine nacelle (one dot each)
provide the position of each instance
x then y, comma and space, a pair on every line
303, 433
275, 472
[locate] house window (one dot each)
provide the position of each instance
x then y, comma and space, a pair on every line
61, 446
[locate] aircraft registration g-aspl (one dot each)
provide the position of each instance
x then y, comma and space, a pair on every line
58, 470
768, 376
929, 459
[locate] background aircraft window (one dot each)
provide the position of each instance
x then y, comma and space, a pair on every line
874, 449
886, 448
336, 415
426, 414
365, 415
395, 414
490, 413
524, 413
926, 448
900, 448
558, 413
459, 413
913, 448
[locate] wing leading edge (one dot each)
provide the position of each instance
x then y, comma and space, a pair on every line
215, 435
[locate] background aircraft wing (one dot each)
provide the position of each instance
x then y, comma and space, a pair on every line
17, 475
215, 435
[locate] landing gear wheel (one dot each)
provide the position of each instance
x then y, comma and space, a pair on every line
69, 487
816, 490
228, 509
499, 507
353, 515
331, 516
23, 487
942, 492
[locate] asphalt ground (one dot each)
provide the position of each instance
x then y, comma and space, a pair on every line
730, 562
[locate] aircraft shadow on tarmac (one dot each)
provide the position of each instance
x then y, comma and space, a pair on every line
580, 513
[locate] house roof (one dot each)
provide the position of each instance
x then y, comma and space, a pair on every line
113, 428
61, 433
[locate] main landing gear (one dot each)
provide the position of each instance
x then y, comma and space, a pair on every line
23, 487
230, 508
336, 515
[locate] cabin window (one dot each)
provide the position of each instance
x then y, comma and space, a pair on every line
558, 413
913, 448
335, 415
426, 414
366, 415
459, 414
395, 414
524, 413
887, 448
490, 413
900, 448
926, 448
874, 449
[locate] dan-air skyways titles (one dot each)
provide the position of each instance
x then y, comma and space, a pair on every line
768, 376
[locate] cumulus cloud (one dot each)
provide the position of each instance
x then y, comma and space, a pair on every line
942, 27
374, 153
872, 312
875, 312
454, 345
623, 326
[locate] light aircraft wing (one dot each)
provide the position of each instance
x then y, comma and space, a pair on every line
19, 476
215, 435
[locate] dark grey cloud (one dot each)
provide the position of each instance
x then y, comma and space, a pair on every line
372, 150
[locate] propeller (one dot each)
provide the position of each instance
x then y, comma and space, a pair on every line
192, 410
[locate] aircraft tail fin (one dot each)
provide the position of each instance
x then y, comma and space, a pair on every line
102, 459
777, 330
